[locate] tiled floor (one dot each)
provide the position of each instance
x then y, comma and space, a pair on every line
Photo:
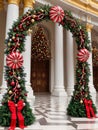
50, 114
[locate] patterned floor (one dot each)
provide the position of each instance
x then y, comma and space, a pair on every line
50, 114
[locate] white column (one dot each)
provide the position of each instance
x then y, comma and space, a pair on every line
69, 63
59, 89
27, 66
91, 85
12, 15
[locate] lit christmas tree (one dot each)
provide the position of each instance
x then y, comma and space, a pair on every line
40, 45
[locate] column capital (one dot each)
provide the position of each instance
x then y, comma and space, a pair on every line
28, 3
13, 2
89, 27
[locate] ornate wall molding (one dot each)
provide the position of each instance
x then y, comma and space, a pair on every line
90, 6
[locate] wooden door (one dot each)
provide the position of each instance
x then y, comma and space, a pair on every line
40, 76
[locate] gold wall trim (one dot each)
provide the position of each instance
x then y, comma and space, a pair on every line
90, 6
29, 3
13, 2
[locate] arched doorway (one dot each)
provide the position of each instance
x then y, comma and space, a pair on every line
40, 52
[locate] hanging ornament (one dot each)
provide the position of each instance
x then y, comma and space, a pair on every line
12, 83
83, 55
19, 78
81, 101
32, 20
9, 43
33, 16
10, 92
56, 14
18, 86
14, 60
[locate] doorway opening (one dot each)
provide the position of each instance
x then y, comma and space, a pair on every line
40, 76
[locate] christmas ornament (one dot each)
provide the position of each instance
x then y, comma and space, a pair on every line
33, 16
81, 101
18, 86
10, 92
83, 55
12, 83
9, 43
19, 78
14, 60
56, 14
32, 20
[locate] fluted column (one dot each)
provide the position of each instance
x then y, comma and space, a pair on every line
91, 85
59, 89
12, 15
69, 63
28, 4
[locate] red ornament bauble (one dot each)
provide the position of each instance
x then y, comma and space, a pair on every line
83, 55
14, 60
56, 14
12, 83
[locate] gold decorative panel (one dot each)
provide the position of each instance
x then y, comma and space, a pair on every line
90, 6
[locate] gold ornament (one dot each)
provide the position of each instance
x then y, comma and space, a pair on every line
41, 10
9, 43
33, 16
81, 101
13, 37
10, 92
32, 20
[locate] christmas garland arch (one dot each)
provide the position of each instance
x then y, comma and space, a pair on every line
81, 104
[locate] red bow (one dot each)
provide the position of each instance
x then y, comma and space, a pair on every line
16, 110
89, 109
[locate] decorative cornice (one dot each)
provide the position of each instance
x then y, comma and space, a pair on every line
28, 3
13, 2
90, 6
89, 27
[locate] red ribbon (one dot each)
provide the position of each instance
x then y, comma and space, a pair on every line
14, 112
89, 109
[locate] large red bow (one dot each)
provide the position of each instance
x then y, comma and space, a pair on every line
16, 112
89, 109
